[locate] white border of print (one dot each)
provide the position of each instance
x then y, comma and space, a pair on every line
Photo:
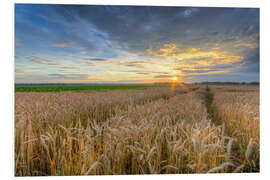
7, 82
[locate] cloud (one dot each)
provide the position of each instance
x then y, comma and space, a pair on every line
136, 28
203, 72
65, 45
137, 64
246, 44
69, 67
69, 76
164, 76
190, 12
97, 59
19, 57
44, 61
17, 42
19, 71
143, 73
194, 57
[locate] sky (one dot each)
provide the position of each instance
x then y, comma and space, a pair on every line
135, 44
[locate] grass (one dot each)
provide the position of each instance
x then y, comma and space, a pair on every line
76, 88
144, 131
208, 98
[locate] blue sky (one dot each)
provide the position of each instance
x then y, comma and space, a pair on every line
135, 44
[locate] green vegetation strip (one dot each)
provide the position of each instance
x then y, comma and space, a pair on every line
212, 113
75, 88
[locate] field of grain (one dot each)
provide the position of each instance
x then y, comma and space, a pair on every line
198, 129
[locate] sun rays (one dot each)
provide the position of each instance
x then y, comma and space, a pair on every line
176, 81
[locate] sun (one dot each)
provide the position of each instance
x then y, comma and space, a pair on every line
174, 78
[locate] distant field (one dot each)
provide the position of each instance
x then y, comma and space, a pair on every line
75, 88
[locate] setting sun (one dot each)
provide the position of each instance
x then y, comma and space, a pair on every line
174, 78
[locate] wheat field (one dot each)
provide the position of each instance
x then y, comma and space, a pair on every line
198, 129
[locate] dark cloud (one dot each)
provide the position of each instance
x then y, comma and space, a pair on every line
251, 63
96, 59
135, 28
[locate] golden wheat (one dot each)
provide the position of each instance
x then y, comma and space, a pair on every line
149, 131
